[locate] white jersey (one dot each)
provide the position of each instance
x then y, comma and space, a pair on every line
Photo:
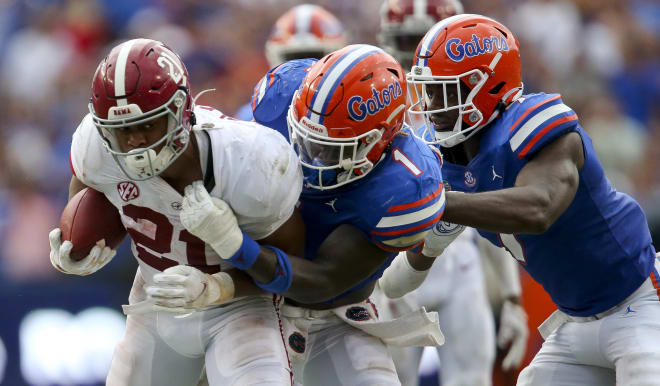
255, 170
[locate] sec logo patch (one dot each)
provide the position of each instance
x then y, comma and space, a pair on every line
128, 190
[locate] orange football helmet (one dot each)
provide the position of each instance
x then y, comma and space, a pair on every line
305, 31
471, 60
346, 112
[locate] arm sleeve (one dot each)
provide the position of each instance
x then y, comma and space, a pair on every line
542, 121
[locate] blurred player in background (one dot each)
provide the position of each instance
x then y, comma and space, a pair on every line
456, 287
525, 174
305, 31
155, 155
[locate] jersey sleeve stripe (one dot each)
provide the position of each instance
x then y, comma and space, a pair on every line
533, 123
259, 91
420, 202
413, 217
540, 135
271, 75
263, 85
529, 110
427, 224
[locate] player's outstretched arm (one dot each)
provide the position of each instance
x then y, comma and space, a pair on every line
409, 270
344, 259
543, 190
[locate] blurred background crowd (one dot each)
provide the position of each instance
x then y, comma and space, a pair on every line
601, 55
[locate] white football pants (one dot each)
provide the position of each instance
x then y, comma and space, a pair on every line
619, 348
327, 351
240, 343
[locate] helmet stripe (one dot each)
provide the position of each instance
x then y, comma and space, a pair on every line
303, 18
429, 38
333, 76
120, 72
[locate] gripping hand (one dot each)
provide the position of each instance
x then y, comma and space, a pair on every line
210, 219
182, 289
99, 256
439, 238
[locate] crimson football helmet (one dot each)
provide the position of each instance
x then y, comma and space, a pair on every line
347, 110
305, 31
403, 23
464, 54
139, 81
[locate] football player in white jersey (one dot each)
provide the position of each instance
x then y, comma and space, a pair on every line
152, 152
455, 287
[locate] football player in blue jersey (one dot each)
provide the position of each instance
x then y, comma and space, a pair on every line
362, 173
524, 172
371, 190
304, 31
474, 282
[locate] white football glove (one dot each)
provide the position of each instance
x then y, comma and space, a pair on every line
210, 219
182, 289
99, 256
439, 238
513, 329
400, 277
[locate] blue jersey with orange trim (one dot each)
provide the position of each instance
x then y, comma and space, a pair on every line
393, 206
599, 250
277, 87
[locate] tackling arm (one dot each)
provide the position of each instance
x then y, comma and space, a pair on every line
345, 258
543, 190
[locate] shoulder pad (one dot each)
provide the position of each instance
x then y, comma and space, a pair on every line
273, 93
538, 120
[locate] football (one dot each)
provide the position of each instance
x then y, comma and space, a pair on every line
88, 218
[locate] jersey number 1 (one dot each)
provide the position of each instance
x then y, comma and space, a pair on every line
403, 159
